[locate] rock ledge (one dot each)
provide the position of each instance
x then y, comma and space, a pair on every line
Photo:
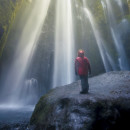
106, 107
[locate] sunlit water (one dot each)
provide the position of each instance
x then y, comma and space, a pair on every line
102, 49
18, 90
26, 47
24, 90
120, 4
64, 44
122, 58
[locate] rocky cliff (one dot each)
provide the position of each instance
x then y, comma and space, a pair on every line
106, 107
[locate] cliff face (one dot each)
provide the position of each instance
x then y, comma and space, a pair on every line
105, 107
8, 12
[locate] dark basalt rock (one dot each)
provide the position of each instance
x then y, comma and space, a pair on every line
105, 107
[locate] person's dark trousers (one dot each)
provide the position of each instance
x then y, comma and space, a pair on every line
84, 83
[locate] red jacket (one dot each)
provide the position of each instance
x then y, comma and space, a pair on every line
82, 65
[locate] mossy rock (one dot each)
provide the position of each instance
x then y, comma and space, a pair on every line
104, 107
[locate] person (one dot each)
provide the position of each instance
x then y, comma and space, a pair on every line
82, 68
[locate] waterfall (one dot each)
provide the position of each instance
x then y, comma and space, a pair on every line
57, 28
24, 51
111, 61
120, 4
64, 44
30, 89
105, 56
122, 58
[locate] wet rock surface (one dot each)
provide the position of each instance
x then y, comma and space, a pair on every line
105, 107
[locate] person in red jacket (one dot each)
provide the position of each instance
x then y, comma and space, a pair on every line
82, 68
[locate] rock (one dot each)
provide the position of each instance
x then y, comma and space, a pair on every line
105, 107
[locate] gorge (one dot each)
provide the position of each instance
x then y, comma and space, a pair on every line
40, 40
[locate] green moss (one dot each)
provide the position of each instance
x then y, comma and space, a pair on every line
42, 110
128, 1
8, 12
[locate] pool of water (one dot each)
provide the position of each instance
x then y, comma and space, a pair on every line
15, 117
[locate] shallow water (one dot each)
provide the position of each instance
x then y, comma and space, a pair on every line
15, 117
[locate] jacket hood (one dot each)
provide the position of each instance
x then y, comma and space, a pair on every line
81, 53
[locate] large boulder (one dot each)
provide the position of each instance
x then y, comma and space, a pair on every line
105, 107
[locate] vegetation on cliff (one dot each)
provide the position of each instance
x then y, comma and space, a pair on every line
8, 12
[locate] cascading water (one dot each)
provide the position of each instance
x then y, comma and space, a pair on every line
32, 69
24, 51
64, 44
120, 4
64, 49
31, 89
122, 58
105, 56
111, 61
